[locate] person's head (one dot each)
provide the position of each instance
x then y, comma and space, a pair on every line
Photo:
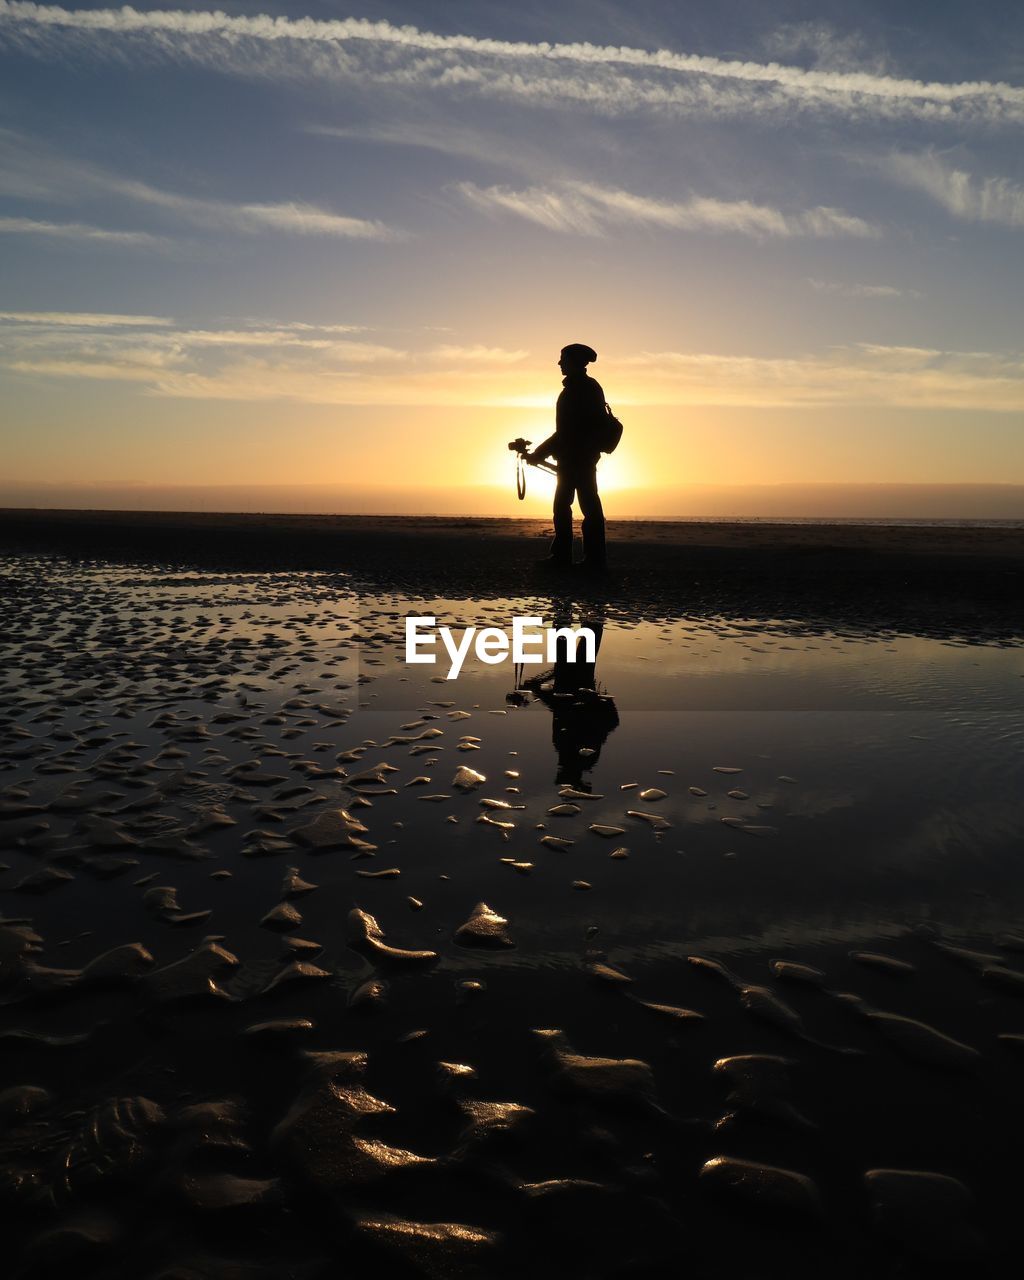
575, 358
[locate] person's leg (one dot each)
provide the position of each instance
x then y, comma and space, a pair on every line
593, 518
561, 544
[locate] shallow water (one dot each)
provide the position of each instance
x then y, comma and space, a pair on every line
825, 794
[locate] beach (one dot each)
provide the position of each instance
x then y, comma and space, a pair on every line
707, 952
393, 887
937, 575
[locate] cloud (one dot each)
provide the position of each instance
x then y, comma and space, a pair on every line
973, 199
331, 347
82, 319
860, 290
303, 326
82, 232
586, 209
151, 350
604, 77
864, 374
125, 369
291, 216
449, 136
29, 170
827, 48
479, 355
305, 364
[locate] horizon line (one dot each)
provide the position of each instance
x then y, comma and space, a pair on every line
695, 518
144, 485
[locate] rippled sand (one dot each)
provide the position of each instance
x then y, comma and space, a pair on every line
314, 963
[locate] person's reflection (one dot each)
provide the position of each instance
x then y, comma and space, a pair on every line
581, 717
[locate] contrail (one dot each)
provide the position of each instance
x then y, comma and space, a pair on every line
996, 99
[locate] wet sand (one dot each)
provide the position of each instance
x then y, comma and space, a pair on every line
312, 963
925, 578
265, 537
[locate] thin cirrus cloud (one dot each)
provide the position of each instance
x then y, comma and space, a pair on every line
83, 319
28, 169
843, 290
290, 216
607, 78
586, 209
251, 332
149, 348
860, 374
310, 365
80, 231
251, 360
995, 200
478, 354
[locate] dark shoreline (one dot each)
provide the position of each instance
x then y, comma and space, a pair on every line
966, 582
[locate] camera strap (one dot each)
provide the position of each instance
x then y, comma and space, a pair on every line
520, 477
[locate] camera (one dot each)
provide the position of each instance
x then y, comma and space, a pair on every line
519, 446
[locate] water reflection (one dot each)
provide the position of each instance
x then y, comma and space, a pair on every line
583, 714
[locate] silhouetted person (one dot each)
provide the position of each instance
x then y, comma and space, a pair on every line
578, 416
581, 718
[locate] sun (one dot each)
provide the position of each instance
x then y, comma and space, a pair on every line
615, 472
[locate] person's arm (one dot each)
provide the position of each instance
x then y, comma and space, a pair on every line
543, 450
595, 413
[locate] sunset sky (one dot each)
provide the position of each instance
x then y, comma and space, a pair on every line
340, 247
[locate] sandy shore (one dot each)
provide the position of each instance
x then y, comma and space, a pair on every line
313, 962
927, 578
737, 536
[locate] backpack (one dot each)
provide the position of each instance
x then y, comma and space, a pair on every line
608, 432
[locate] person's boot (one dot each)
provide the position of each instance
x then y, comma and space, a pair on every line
559, 563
